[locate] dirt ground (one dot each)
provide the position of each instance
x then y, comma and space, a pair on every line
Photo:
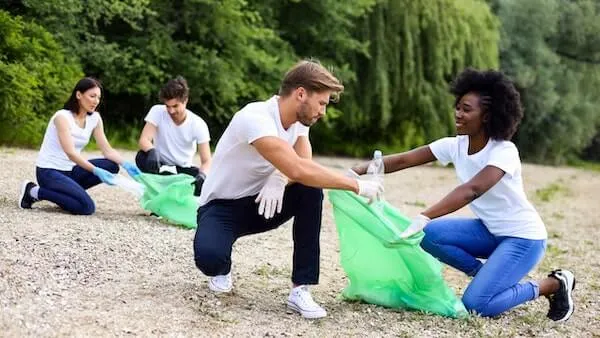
120, 272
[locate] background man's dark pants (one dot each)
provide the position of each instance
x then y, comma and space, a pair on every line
222, 222
149, 162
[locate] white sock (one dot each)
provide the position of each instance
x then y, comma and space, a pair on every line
34, 192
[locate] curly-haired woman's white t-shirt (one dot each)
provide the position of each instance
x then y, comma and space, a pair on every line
52, 155
504, 208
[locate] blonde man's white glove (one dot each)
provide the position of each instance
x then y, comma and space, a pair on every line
372, 190
418, 223
270, 198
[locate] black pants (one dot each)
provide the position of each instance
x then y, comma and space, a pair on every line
222, 222
150, 162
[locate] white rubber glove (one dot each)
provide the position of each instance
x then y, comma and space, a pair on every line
372, 190
418, 223
271, 195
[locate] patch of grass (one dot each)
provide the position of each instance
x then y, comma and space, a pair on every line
547, 193
417, 204
558, 215
554, 235
267, 270
587, 165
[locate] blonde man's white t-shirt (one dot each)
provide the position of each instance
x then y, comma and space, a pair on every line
504, 208
238, 170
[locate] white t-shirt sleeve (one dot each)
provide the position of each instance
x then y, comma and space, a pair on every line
444, 149
251, 127
153, 115
202, 133
505, 157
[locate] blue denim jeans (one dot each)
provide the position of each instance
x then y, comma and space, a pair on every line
496, 285
68, 188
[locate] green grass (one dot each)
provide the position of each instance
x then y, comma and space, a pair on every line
550, 191
587, 165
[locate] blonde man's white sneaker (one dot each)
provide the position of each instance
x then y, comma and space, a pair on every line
220, 283
301, 301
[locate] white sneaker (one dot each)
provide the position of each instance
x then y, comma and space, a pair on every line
221, 283
301, 301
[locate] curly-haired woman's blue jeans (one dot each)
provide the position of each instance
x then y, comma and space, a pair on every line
496, 285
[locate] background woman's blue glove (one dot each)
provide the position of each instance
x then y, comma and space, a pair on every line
104, 175
131, 168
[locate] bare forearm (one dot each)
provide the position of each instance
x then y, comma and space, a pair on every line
113, 155
80, 161
313, 174
145, 144
456, 199
205, 167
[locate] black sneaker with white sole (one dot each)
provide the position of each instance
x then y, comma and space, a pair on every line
25, 200
561, 302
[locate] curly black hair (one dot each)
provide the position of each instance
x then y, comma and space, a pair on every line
498, 97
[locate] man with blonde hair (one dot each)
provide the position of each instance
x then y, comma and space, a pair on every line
263, 175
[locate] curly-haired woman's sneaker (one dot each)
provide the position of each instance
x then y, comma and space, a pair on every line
561, 302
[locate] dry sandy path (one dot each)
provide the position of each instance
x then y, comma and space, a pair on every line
120, 272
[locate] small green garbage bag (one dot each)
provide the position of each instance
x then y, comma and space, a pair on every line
384, 269
171, 197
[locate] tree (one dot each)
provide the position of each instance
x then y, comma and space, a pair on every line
550, 48
35, 79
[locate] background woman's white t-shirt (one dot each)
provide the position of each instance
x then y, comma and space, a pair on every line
52, 155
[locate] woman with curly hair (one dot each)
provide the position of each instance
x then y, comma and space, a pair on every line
507, 230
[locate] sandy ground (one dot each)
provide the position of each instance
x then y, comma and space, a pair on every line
120, 272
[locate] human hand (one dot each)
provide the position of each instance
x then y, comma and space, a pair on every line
270, 198
417, 224
104, 175
131, 169
372, 190
351, 174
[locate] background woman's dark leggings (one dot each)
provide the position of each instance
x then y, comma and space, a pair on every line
68, 188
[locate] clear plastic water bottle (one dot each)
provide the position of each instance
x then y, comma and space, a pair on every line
376, 169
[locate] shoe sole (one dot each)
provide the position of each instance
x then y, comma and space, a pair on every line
305, 314
569, 277
22, 194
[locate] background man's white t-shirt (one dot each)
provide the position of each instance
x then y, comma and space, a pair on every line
177, 144
238, 170
504, 209
52, 155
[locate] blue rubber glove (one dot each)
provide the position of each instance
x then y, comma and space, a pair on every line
131, 169
104, 175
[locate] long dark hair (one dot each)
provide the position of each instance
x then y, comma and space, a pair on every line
82, 86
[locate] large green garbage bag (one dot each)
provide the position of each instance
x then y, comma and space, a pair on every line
171, 197
383, 269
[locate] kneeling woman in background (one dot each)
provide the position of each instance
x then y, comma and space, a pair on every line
63, 174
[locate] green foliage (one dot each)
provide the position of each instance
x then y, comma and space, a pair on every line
400, 96
35, 79
551, 49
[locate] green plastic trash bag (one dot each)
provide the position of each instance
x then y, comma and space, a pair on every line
171, 197
384, 269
